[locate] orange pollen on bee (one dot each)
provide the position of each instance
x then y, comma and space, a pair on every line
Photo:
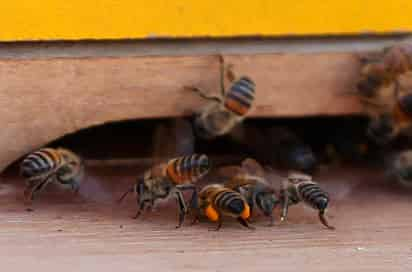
246, 212
172, 173
211, 213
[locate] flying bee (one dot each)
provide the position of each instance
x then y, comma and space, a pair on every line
49, 165
249, 180
170, 179
216, 201
227, 110
300, 187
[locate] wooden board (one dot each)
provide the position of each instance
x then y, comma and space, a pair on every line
92, 233
41, 100
127, 19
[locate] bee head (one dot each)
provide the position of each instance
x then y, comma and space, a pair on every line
381, 130
303, 159
267, 201
203, 164
373, 76
322, 203
200, 129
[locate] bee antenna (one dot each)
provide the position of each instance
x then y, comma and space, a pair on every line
124, 195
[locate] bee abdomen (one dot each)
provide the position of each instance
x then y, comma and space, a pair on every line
240, 97
39, 162
188, 168
313, 195
230, 201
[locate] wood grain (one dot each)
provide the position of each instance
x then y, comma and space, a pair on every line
43, 99
92, 233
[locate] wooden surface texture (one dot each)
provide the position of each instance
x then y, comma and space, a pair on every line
44, 99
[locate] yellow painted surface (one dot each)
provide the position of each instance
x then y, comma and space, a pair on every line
118, 19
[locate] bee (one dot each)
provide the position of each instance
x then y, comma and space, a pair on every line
300, 187
382, 69
216, 201
227, 110
401, 168
49, 165
379, 88
249, 180
170, 179
387, 126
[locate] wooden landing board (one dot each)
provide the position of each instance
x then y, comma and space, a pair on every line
93, 233
128, 19
41, 100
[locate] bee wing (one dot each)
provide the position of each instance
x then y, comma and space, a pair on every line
230, 171
252, 167
275, 178
184, 137
172, 139
161, 143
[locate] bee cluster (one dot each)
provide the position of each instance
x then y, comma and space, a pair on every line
385, 90
246, 188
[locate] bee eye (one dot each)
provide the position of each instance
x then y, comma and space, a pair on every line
204, 164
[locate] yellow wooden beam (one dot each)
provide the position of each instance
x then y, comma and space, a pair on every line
120, 19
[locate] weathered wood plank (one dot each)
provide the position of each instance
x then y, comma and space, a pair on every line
41, 100
371, 219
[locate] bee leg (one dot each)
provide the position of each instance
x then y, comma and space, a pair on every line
219, 224
195, 219
243, 222
182, 208
324, 221
222, 75
272, 220
141, 208
202, 94
285, 204
225, 71
35, 187
193, 200
75, 188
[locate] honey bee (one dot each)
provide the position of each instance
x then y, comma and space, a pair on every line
49, 165
227, 110
170, 179
300, 187
387, 126
216, 201
384, 68
249, 180
386, 102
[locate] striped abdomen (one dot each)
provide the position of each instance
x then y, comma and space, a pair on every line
240, 97
313, 195
232, 203
187, 169
40, 162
